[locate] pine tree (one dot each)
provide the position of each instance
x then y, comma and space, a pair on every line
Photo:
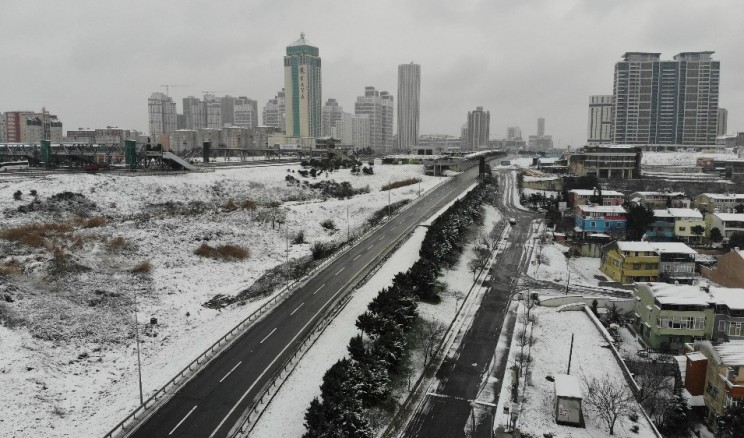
679, 417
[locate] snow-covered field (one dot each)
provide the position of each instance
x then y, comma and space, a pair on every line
552, 266
68, 362
552, 333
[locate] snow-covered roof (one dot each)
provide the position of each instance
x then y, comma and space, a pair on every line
567, 386
732, 297
586, 192
602, 209
724, 195
687, 213
730, 353
682, 294
671, 194
696, 356
738, 217
635, 246
672, 248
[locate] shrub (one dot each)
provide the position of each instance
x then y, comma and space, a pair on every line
249, 205
223, 252
11, 267
401, 183
299, 238
143, 267
32, 192
118, 242
95, 222
328, 224
321, 250
230, 205
17, 195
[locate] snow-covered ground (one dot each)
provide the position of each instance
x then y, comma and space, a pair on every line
552, 266
284, 417
68, 350
550, 353
679, 158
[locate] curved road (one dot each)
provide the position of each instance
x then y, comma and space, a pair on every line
211, 403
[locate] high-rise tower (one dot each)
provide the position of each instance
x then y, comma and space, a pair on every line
478, 131
162, 115
409, 95
666, 102
302, 83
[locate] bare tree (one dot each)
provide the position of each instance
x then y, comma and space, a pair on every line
430, 335
609, 399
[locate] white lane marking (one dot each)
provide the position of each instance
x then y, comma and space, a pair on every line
370, 247
182, 420
267, 336
356, 257
395, 227
250, 388
298, 308
339, 271
318, 289
381, 237
228, 373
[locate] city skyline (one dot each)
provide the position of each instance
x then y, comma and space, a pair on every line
124, 54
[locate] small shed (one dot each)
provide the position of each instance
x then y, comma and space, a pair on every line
568, 398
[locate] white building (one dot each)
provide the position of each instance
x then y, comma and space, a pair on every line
361, 130
378, 105
245, 113
331, 113
183, 140
343, 129
600, 119
727, 223
302, 84
478, 130
161, 116
409, 103
274, 112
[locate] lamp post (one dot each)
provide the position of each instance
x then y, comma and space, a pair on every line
286, 251
139, 360
348, 226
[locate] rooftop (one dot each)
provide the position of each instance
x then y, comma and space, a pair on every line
732, 297
682, 294
678, 213
635, 246
695, 356
671, 194
672, 248
584, 192
602, 208
567, 386
724, 195
731, 353
738, 217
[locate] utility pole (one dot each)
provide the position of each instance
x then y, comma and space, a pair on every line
348, 226
139, 360
419, 189
286, 252
570, 354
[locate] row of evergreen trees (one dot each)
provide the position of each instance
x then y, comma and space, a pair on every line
363, 381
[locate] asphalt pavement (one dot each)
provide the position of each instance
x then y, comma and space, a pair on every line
211, 403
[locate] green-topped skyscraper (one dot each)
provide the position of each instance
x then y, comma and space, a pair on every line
302, 83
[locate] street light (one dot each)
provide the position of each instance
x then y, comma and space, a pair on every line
139, 360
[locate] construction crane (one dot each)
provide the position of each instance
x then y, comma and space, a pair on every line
214, 92
168, 87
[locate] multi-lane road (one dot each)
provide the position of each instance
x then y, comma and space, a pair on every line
211, 403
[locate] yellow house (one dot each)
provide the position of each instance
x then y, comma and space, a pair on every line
629, 262
724, 376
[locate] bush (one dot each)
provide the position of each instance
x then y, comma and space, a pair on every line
321, 250
401, 183
223, 252
143, 267
17, 195
299, 238
248, 205
95, 222
328, 224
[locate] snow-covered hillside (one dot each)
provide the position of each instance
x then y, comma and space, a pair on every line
68, 303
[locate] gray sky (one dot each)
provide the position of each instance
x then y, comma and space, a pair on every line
95, 63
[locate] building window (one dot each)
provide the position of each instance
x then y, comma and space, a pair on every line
734, 329
682, 228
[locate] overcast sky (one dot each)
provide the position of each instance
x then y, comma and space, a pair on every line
95, 63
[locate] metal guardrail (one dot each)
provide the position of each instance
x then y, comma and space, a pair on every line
213, 351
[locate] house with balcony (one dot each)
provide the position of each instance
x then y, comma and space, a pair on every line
723, 376
600, 219
660, 200
629, 262
728, 270
676, 262
722, 202
729, 313
667, 316
676, 224
727, 223
584, 197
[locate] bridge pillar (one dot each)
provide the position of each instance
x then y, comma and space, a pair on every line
206, 147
